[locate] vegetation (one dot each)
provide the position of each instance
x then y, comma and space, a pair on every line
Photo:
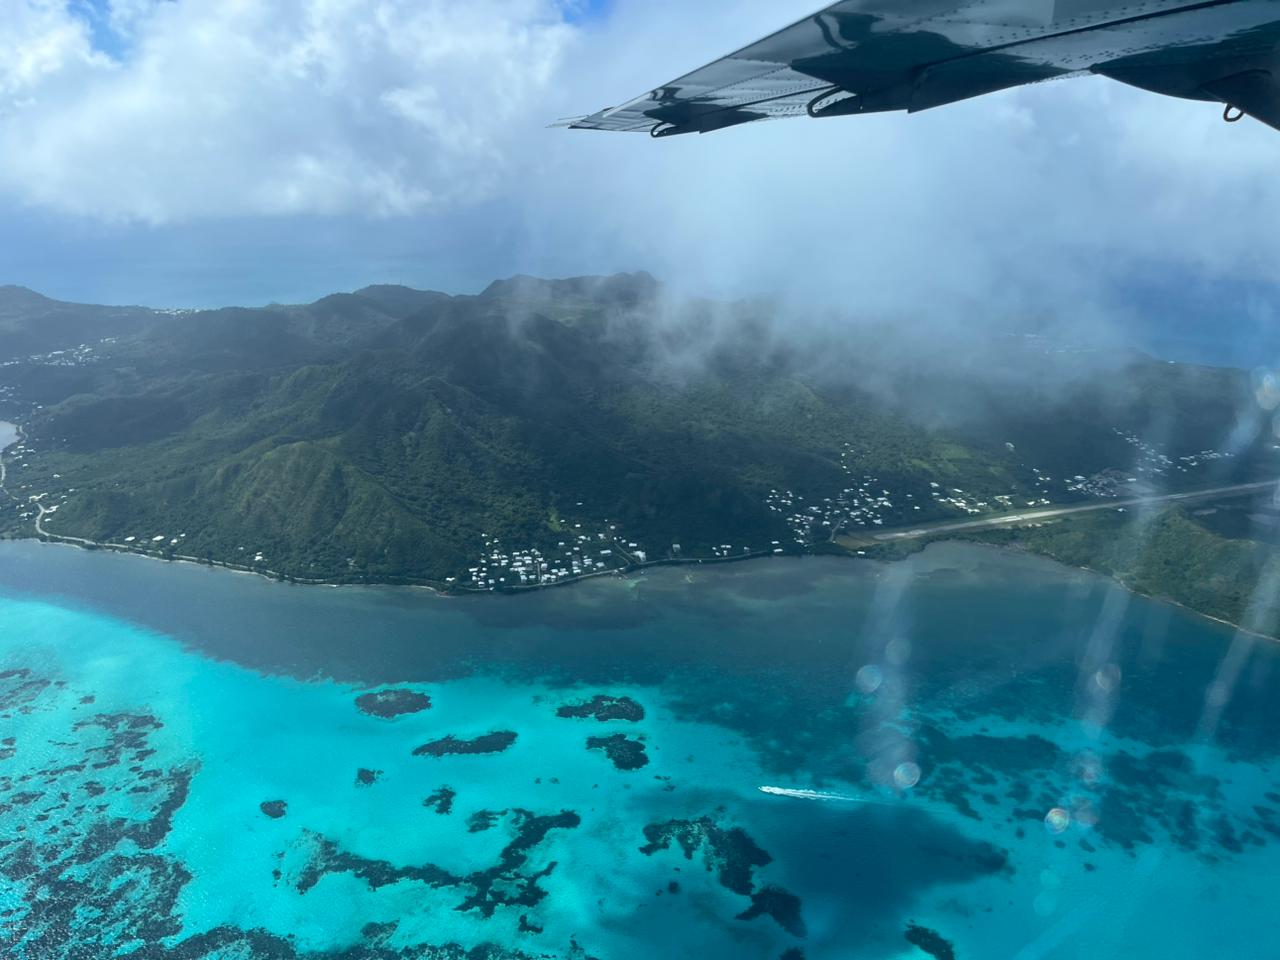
396, 435
1174, 553
1169, 555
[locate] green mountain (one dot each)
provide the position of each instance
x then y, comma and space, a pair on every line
399, 435
34, 324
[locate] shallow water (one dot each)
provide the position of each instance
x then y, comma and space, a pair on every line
971, 751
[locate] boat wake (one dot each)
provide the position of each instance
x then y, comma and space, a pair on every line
813, 795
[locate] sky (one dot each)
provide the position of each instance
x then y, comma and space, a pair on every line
204, 152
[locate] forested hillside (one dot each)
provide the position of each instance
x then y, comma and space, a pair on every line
547, 429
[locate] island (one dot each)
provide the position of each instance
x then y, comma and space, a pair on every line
540, 433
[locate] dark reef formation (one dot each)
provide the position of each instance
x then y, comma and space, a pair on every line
94, 881
1146, 799
731, 853
366, 777
482, 820
441, 800
930, 941
780, 904
92, 796
89, 849
275, 809
495, 742
508, 882
19, 688
733, 856
626, 754
603, 707
392, 703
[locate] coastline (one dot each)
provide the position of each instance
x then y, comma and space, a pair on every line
1111, 578
436, 587
457, 593
443, 591
89, 546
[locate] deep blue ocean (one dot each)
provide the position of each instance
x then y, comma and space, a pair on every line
970, 754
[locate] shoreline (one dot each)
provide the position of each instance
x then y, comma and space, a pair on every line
437, 588
444, 594
91, 546
1101, 574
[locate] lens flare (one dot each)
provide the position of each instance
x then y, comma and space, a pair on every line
898, 651
1083, 813
1045, 903
1057, 820
1266, 389
1107, 678
906, 775
1088, 767
869, 678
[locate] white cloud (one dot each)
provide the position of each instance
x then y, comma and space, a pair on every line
1041, 198
38, 41
237, 107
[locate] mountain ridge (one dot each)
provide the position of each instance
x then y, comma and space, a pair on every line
395, 435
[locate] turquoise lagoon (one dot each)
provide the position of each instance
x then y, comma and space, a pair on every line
969, 754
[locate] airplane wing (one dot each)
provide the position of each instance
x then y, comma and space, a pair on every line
865, 56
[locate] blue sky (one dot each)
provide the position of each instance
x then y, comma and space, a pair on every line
97, 15
189, 152
587, 10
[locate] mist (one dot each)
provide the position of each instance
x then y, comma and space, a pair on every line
1015, 248
1079, 205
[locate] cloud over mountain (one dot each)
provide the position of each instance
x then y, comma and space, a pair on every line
257, 151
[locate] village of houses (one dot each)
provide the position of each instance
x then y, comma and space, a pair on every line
588, 549
70, 357
866, 504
